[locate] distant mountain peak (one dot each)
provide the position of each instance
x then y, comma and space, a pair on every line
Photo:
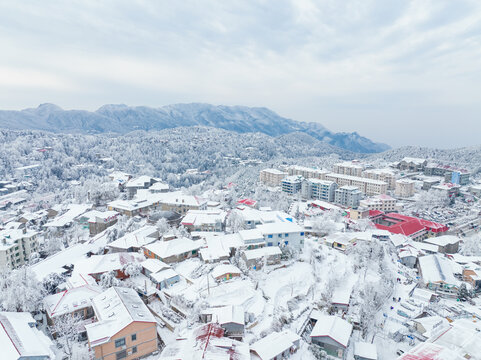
122, 119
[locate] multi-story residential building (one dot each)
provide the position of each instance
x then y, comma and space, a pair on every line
460, 177
412, 164
351, 168
367, 186
348, 196
450, 173
126, 329
16, 246
292, 184
272, 177
385, 175
381, 202
405, 188
319, 189
307, 173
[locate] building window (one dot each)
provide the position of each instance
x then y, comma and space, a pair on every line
286, 235
121, 355
269, 236
134, 349
302, 234
134, 337
119, 342
279, 235
269, 244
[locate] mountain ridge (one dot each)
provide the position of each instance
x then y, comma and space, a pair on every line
121, 118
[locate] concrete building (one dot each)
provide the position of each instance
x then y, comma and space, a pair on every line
405, 188
351, 168
292, 184
205, 220
98, 221
348, 196
447, 244
319, 189
126, 329
385, 175
272, 177
141, 182
282, 234
367, 186
412, 164
381, 202
449, 189
430, 182
450, 173
332, 334
307, 173
16, 246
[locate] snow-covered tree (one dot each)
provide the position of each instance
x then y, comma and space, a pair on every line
66, 330
108, 279
20, 291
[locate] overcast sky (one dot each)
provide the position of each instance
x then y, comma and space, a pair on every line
400, 72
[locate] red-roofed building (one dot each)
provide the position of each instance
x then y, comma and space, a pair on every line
247, 202
416, 228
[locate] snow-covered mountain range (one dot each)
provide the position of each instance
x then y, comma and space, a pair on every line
123, 119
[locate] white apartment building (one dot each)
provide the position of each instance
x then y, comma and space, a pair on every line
367, 186
348, 196
282, 234
307, 173
319, 189
272, 177
292, 184
16, 246
381, 202
351, 168
385, 175
405, 188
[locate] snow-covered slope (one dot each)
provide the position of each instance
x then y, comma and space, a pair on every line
123, 119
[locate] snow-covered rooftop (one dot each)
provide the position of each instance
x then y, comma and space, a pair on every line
223, 269
333, 327
261, 252
178, 246
435, 268
20, 340
136, 239
115, 309
274, 344
74, 210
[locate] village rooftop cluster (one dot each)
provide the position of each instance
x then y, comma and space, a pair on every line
356, 268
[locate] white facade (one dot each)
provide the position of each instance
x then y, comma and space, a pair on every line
380, 202
272, 177
282, 234
404, 188
348, 168
367, 186
16, 246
